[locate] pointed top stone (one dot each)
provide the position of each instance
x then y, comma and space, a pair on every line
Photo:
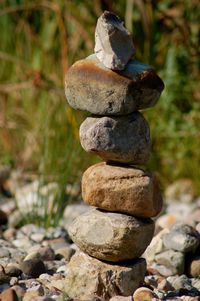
113, 42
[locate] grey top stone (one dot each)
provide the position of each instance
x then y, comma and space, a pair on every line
113, 42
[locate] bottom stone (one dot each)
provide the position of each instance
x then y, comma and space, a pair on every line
88, 277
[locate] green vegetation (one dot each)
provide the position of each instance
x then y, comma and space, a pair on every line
41, 39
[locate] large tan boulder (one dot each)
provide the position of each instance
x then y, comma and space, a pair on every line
122, 189
88, 277
111, 236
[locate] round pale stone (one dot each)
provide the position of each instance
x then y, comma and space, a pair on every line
92, 87
122, 189
120, 139
111, 236
88, 277
144, 294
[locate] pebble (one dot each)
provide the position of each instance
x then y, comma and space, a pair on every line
144, 294
173, 260
3, 218
65, 253
20, 291
33, 267
182, 238
9, 295
194, 266
180, 282
13, 269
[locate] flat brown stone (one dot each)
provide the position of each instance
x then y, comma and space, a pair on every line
92, 87
122, 189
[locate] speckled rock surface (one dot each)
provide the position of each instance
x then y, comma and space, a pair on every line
88, 277
119, 139
122, 189
111, 236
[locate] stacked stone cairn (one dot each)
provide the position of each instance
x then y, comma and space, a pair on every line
112, 236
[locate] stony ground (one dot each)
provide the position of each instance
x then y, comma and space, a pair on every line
34, 261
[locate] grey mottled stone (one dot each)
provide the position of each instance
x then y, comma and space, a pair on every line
92, 87
182, 238
88, 277
173, 260
113, 42
111, 236
119, 139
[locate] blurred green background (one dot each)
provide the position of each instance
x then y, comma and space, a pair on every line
39, 40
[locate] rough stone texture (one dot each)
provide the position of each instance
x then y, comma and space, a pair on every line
113, 42
182, 238
111, 236
122, 189
173, 260
88, 277
92, 87
121, 139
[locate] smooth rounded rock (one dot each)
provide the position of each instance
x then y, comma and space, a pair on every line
88, 277
144, 294
119, 139
111, 236
92, 87
193, 267
122, 189
33, 267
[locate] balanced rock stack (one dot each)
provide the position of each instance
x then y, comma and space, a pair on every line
113, 235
